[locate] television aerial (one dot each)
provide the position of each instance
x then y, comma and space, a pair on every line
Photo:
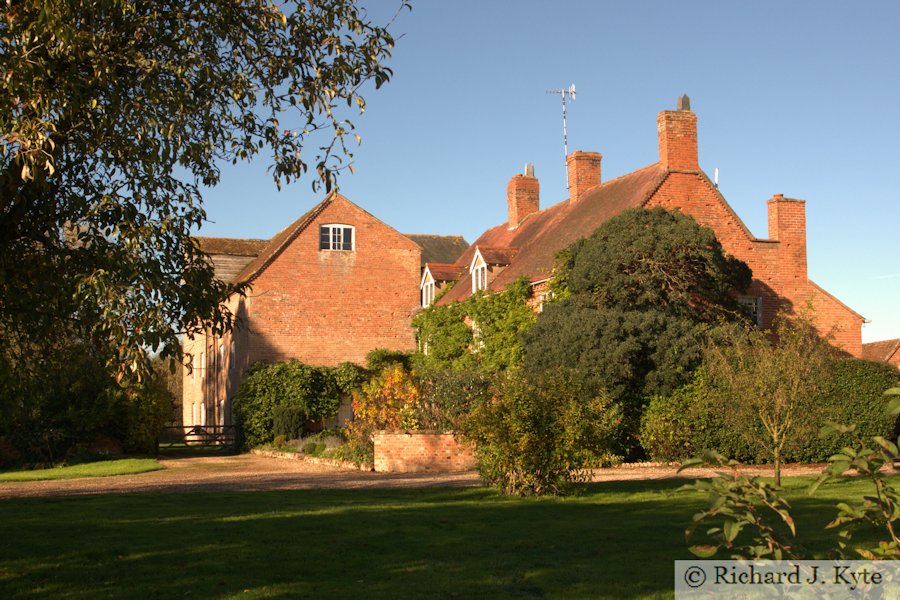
566, 94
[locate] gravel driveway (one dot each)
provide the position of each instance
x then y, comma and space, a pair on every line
248, 472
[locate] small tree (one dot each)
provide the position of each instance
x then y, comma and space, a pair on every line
772, 384
537, 437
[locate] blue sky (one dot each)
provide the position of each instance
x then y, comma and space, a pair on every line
800, 98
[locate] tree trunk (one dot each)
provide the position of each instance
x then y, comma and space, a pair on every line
777, 456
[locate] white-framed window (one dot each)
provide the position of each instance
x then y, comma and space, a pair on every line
479, 278
542, 298
336, 236
221, 365
231, 356
752, 306
203, 413
427, 294
202, 365
193, 413
221, 415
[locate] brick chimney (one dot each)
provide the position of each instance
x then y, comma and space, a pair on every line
787, 224
583, 172
678, 137
522, 196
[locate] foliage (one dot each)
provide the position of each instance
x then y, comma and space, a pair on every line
453, 393
312, 390
693, 418
380, 358
636, 302
736, 503
656, 260
500, 318
288, 421
881, 510
349, 377
147, 409
772, 385
116, 114
538, 437
70, 401
389, 400
444, 338
847, 393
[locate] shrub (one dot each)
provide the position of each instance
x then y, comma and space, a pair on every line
313, 391
387, 401
689, 422
849, 394
449, 394
288, 421
146, 409
379, 359
535, 438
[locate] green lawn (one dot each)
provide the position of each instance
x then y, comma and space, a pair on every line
616, 540
106, 468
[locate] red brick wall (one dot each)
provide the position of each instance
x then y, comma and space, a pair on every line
583, 172
779, 266
412, 452
327, 307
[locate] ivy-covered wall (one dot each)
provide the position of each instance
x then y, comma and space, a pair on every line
447, 334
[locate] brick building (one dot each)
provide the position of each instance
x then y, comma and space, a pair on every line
884, 351
528, 242
332, 286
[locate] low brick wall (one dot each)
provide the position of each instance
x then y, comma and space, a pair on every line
414, 452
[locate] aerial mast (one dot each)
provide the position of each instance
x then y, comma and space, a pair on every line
565, 93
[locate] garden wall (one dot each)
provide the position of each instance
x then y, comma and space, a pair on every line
414, 452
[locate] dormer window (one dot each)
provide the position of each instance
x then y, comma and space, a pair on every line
479, 278
336, 237
427, 294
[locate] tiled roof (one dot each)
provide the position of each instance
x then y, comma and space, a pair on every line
439, 248
880, 351
231, 246
498, 256
543, 234
445, 272
281, 240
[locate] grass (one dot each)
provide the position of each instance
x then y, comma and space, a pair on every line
106, 468
614, 540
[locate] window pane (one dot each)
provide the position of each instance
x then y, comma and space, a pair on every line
324, 238
348, 239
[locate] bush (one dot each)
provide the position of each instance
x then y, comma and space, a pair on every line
146, 408
687, 423
850, 393
390, 400
313, 391
288, 421
448, 395
379, 359
535, 438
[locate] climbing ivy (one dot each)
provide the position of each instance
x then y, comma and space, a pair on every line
446, 338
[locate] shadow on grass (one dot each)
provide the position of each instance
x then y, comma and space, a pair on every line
614, 540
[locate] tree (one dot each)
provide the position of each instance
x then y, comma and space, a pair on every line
536, 437
114, 114
771, 384
638, 299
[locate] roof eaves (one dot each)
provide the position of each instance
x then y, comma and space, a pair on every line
270, 253
833, 297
